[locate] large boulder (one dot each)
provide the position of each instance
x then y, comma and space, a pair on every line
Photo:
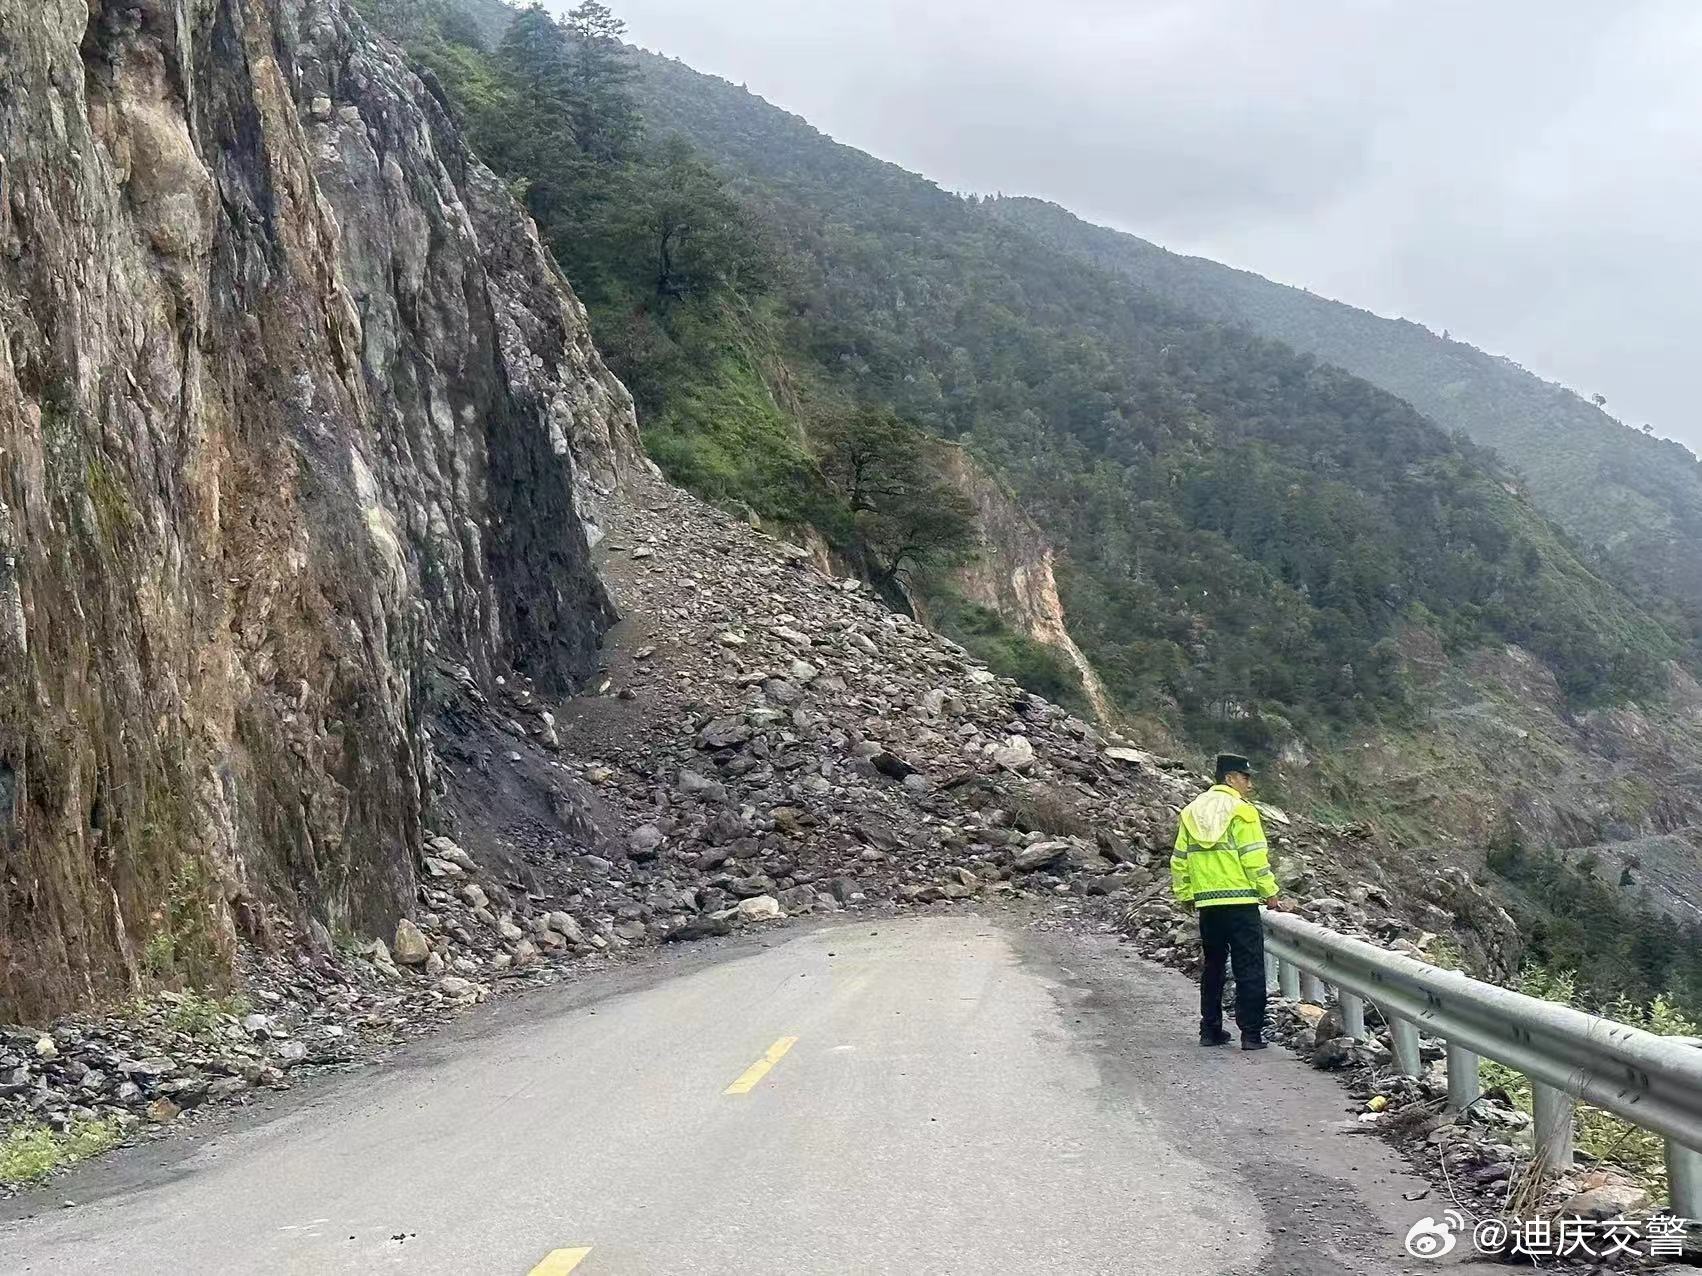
644, 842
761, 908
1040, 855
411, 947
1015, 754
565, 926
1611, 1200
724, 733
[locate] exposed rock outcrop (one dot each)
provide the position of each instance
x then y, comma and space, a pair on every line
1011, 572
294, 412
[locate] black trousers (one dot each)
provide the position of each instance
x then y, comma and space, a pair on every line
1236, 932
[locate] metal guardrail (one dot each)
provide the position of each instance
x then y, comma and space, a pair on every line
1570, 1057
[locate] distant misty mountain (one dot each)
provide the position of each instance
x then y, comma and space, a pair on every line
1636, 498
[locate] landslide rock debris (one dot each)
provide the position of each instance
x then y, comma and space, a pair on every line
297, 582
766, 732
679, 799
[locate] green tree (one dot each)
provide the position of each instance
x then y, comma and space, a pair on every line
695, 237
599, 82
870, 456
538, 146
536, 55
904, 516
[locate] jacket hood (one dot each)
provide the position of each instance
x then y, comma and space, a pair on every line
1207, 817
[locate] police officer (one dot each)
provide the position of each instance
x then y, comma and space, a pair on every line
1221, 869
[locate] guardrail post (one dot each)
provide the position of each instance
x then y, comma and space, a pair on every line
1463, 1084
1353, 1014
1271, 984
1569, 1057
1684, 1180
1311, 988
1403, 1033
1552, 1109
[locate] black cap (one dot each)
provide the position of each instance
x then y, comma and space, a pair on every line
1229, 763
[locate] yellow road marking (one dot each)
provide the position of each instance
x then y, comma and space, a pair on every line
560, 1262
758, 1070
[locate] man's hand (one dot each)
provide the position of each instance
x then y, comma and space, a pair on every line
1277, 904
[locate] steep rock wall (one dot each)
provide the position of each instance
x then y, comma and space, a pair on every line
293, 411
1011, 572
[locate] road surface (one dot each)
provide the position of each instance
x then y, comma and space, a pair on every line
942, 1094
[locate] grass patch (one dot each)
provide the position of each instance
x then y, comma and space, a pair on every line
1445, 953
724, 438
192, 1012
32, 1152
1039, 810
985, 635
198, 1014
185, 946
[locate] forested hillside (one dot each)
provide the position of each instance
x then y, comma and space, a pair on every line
1246, 529
1634, 497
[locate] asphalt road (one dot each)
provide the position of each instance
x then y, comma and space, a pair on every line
932, 1095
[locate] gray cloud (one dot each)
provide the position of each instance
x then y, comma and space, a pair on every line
1526, 174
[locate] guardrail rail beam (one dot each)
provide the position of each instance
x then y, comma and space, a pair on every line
1570, 1057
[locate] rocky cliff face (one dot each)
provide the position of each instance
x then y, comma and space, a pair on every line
1011, 571
295, 415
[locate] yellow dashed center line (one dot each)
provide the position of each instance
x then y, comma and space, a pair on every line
758, 1070
560, 1262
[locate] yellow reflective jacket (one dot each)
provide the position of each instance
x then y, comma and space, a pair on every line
1220, 855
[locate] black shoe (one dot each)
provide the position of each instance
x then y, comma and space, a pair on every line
1214, 1037
1254, 1043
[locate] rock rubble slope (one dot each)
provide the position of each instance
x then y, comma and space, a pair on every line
776, 728
762, 741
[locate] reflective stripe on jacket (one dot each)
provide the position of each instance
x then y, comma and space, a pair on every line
1220, 855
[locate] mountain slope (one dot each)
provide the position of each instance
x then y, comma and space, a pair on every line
1637, 497
1253, 548
1176, 458
1472, 735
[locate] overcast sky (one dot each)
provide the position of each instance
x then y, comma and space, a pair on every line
1526, 175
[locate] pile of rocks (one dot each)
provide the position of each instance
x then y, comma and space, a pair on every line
302, 1003
769, 731
765, 739
156, 1060
135, 1069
